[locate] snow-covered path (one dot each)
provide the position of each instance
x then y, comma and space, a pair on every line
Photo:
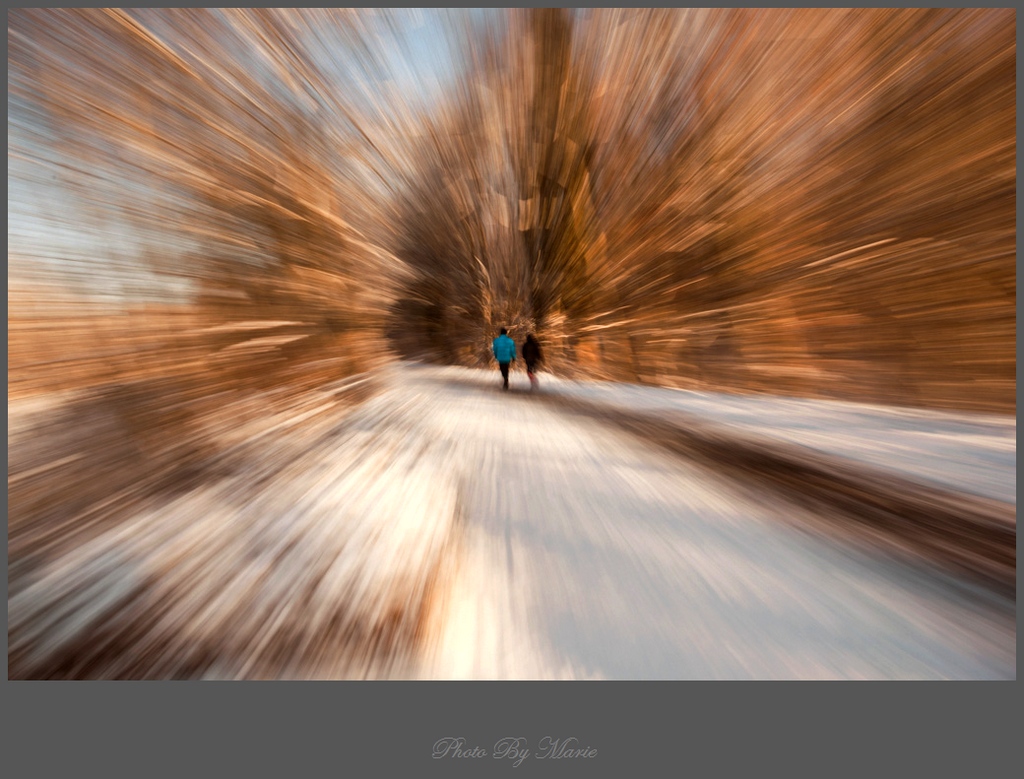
587, 554
445, 529
973, 453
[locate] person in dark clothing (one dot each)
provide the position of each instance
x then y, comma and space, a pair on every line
532, 357
504, 349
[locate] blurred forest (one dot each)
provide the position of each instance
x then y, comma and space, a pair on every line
810, 202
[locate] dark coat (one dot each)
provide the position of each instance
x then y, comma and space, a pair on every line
531, 351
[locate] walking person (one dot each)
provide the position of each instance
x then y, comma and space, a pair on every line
532, 357
504, 349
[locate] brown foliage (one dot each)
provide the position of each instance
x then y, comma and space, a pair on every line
818, 202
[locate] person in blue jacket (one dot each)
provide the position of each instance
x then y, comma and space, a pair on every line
504, 349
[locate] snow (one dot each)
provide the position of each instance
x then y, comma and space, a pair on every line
975, 453
448, 530
589, 555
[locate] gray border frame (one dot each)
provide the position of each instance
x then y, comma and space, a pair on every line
388, 728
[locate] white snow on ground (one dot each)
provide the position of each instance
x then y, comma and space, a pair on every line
589, 555
500, 539
286, 568
976, 453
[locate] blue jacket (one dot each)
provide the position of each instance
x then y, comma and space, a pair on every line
504, 349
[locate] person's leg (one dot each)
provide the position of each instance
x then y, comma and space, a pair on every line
504, 373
